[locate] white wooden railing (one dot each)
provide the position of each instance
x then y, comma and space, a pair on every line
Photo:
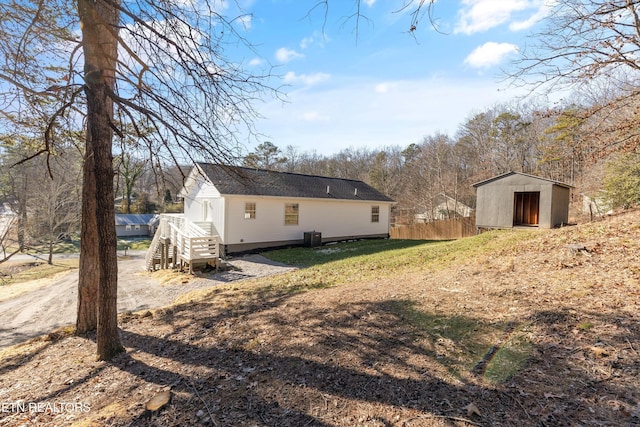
189, 240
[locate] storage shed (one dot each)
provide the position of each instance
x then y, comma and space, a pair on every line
517, 199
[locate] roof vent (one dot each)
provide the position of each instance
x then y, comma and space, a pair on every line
355, 192
328, 190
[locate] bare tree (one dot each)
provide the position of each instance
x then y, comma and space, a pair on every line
129, 62
143, 64
129, 170
587, 41
8, 247
54, 200
385, 174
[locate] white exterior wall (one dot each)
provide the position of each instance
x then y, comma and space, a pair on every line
204, 203
331, 218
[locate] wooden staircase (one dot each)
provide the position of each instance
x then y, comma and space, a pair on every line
179, 243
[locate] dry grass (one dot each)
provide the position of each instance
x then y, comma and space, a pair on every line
508, 328
18, 277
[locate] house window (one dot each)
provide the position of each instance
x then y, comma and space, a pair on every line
249, 211
127, 227
375, 213
291, 211
137, 227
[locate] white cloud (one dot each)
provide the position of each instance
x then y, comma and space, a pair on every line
314, 116
542, 12
370, 2
490, 54
351, 114
306, 42
285, 55
255, 62
316, 39
385, 87
482, 15
307, 79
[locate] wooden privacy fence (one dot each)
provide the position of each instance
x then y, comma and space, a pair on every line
447, 229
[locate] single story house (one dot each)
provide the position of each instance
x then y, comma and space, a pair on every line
136, 225
255, 208
517, 199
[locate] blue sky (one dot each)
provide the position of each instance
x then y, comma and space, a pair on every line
383, 87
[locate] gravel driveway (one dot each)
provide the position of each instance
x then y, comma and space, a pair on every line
54, 304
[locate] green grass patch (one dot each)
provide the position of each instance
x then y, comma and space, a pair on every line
137, 244
378, 258
67, 247
510, 357
464, 344
304, 257
585, 326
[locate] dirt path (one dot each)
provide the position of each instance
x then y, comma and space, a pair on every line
53, 304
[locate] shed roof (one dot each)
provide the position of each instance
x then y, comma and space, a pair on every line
134, 219
504, 175
234, 180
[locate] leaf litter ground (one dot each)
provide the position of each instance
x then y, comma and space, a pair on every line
533, 328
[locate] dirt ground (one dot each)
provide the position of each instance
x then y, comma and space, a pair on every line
354, 355
50, 304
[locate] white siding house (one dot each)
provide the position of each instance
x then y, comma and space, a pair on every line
247, 209
254, 208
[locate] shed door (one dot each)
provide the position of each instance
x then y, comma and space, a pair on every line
526, 209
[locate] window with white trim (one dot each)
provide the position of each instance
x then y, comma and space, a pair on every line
249, 210
375, 213
291, 212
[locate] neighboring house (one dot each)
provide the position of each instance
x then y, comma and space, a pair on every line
516, 199
136, 225
247, 209
444, 207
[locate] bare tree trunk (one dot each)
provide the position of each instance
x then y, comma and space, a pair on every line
108, 338
89, 277
99, 38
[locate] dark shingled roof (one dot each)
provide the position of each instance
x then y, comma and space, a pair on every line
261, 182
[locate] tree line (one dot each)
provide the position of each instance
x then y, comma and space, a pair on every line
565, 144
571, 144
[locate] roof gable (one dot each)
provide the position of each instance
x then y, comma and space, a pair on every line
233, 180
507, 174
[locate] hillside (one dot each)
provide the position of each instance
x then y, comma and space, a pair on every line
509, 328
